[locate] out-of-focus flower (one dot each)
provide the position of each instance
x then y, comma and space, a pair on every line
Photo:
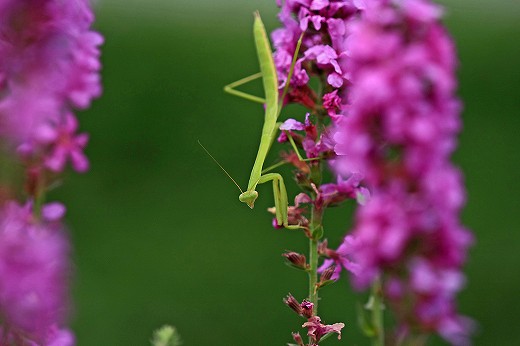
49, 63
33, 275
341, 258
62, 143
399, 132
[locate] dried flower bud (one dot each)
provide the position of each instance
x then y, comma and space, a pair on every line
323, 247
291, 302
293, 159
296, 260
327, 273
303, 95
303, 181
297, 337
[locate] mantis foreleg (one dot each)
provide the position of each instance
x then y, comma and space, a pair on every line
280, 199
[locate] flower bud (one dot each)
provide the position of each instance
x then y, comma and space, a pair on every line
323, 247
296, 260
291, 302
297, 337
327, 273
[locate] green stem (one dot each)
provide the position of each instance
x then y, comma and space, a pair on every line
316, 230
377, 314
313, 273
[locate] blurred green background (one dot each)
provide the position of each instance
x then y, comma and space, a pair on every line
159, 234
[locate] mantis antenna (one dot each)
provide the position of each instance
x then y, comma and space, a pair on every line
222, 168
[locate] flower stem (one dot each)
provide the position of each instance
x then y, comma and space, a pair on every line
377, 314
316, 229
313, 273
316, 234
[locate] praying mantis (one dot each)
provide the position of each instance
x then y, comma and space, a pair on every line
273, 106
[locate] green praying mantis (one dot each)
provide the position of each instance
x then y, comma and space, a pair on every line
273, 106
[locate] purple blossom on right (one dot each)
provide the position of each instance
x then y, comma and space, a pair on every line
399, 132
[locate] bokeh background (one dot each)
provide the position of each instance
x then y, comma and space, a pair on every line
159, 234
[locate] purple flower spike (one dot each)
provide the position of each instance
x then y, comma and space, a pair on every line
403, 118
324, 24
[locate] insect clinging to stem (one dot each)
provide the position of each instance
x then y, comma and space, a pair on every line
273, 106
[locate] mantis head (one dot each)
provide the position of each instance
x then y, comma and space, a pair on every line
249, 198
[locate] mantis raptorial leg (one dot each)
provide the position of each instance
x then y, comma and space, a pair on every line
273, 107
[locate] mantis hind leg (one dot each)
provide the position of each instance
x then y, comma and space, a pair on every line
230, 88
280, 199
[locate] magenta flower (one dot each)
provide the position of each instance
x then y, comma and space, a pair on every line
317, 330
55, 144
311, 143
64, 144
33, 274
399, 132
322, 52
350, 188
49, 65
49, 62
341, 258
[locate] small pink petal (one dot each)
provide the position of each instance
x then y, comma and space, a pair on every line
53, 211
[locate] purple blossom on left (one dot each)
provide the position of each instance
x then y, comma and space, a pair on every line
49, 68
49, 64
33, 275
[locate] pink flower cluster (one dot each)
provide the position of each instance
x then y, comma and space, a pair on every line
315, 329
399, 132
49, 64
316, 144
324, 24
33, 276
